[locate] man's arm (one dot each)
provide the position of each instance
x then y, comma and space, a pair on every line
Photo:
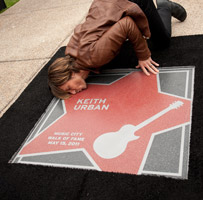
107, 47
139, 17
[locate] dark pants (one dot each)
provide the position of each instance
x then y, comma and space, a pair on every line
159, 23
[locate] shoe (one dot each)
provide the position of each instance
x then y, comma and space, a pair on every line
177, 10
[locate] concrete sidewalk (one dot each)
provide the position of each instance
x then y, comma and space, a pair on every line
32, 31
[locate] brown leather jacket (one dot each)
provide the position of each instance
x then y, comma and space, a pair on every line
98, 40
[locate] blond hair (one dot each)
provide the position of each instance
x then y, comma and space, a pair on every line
59, 72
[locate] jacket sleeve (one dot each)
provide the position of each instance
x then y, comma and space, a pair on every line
134, 11
108, 46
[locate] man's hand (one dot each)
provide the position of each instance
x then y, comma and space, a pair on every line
148, 66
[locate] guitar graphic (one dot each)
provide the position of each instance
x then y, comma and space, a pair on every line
113, 144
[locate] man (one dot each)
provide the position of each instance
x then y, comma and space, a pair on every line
98, 40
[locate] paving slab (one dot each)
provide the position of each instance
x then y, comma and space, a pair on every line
14, 78
32, 32
37, 35
24, 6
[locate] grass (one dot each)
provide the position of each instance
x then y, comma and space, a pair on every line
9, 3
